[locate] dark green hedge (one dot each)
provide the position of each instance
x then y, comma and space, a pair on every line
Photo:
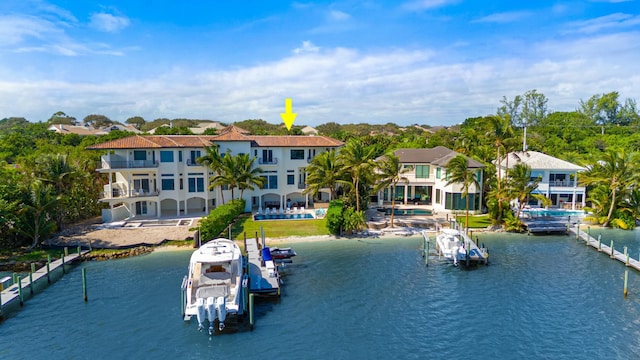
217, 221
334, 216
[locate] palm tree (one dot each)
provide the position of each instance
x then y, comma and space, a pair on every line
57, 171
502, 130
36, 212
390, 172
521, 186
356, 160
227, 174
616, 171
248, 175
459, 173
213, 160
323, 172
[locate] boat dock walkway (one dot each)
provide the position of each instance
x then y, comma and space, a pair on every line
263, 275
26, 286
607, 249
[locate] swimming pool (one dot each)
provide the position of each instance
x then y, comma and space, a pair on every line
303, 216
553, 212
406, 212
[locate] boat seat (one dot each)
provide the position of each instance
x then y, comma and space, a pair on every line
212, 291
215, 278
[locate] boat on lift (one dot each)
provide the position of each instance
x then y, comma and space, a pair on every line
215, 284
456, 246
282, 253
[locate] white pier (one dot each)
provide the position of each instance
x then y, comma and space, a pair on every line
263, 275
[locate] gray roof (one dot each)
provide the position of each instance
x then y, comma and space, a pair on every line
539, 161
438, 155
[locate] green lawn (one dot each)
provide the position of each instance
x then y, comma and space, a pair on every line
475, 221
277, 228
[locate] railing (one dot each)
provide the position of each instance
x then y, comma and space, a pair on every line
131, 164
119, 194
193, 162
265, 161
302, 186
562, 183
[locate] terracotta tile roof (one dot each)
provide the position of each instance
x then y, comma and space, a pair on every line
195, 141
155, 142
292, 141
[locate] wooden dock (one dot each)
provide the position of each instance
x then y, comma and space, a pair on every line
25, 288
605, 248
263, 275
545, 226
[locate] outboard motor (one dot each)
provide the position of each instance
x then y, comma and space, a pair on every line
211, 313
221, 304
200, 313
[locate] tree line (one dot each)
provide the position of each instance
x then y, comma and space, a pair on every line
48, 180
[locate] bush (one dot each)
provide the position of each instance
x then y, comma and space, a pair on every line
217, 221
334, 216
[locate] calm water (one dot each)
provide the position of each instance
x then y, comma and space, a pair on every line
541, 297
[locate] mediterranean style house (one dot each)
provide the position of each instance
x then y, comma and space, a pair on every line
559, 178
158, 176
427, 181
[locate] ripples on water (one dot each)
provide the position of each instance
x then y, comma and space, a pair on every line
541, 297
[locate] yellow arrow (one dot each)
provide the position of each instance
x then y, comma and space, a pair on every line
287, 116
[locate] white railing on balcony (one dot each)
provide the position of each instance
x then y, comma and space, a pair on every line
267, 161
123, 164
119, 193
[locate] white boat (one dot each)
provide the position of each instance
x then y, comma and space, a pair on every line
215, 286
458, 247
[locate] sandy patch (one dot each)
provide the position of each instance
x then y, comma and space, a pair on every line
122, 236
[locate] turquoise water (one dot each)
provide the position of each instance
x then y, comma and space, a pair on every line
541, 297
406, 212
552, 212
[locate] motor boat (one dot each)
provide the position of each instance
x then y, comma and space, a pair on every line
456, 246
215, 286
282, 253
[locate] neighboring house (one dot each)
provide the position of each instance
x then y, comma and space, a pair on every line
308, 130
158, 176
87, 129
427, 181
559, 178
81, 130
206, 125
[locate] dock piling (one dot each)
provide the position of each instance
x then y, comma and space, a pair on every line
48, 268
599, 243
33, 269
612, 256
626, 279
20, 291
84, 284
251, 296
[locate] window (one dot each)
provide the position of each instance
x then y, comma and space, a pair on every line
180, 156
297, 154
291, 179
168, 184
267, 156
196, 184
438, 173
422, 171
139, 155
270, 182
166, 156
195, 154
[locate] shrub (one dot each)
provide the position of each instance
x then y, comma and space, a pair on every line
213, 224
334, 216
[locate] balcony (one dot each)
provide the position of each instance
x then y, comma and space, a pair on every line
123, 164
267, 161
562, 183
123, 194
302, 186
193, 162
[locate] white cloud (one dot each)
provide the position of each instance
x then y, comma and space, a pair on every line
307, 47
612, 21
427, 4
108, 22
348, 85
504, 17
336, 15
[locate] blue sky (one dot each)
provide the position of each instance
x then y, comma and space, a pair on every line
434, 62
